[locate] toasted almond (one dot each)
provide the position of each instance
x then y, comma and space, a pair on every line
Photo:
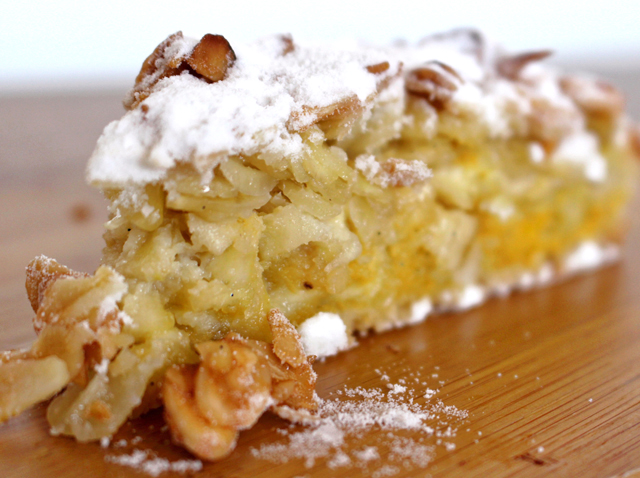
594, 97
212, 57
286, 340
378, 68
41, 273
435, 82
335, 120
156, 66
510, 66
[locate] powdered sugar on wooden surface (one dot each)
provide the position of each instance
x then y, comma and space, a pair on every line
415, 423
147, 462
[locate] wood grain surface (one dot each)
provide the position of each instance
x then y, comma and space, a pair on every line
550, 378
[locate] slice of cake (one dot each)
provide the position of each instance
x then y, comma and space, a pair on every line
269, 201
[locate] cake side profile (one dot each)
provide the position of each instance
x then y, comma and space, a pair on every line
268, 201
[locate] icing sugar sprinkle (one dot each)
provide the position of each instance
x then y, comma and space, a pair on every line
147, 462
414, 423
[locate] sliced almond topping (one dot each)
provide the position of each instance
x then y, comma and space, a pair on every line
160, 64
41, 273
435, 82
334, 120
378, 68
286, 341
510, 66
594, 97
212, 57
392, 172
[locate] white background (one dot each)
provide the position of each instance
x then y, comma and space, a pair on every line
64, 44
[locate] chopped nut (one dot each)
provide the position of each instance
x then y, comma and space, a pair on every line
232, 383
237, 380
287, 44
25, 382
286, 340
435, 82
41, 273
378, 68
187, 425
212, 57
595, 97
511, 66
156, 66
549, 123
334, 120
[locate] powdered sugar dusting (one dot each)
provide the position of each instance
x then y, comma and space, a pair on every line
249, 112
415, 423
147, 462
268, 97
324, 334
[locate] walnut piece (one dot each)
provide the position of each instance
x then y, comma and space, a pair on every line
237, 380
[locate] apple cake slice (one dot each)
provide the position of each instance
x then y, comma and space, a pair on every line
268, 202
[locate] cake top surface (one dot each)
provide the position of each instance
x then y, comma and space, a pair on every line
274, 89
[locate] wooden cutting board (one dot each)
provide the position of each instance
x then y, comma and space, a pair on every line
550, 378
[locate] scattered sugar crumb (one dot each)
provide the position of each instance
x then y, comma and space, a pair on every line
324, 334
429, 393
540, 449
340, 438
146, 462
